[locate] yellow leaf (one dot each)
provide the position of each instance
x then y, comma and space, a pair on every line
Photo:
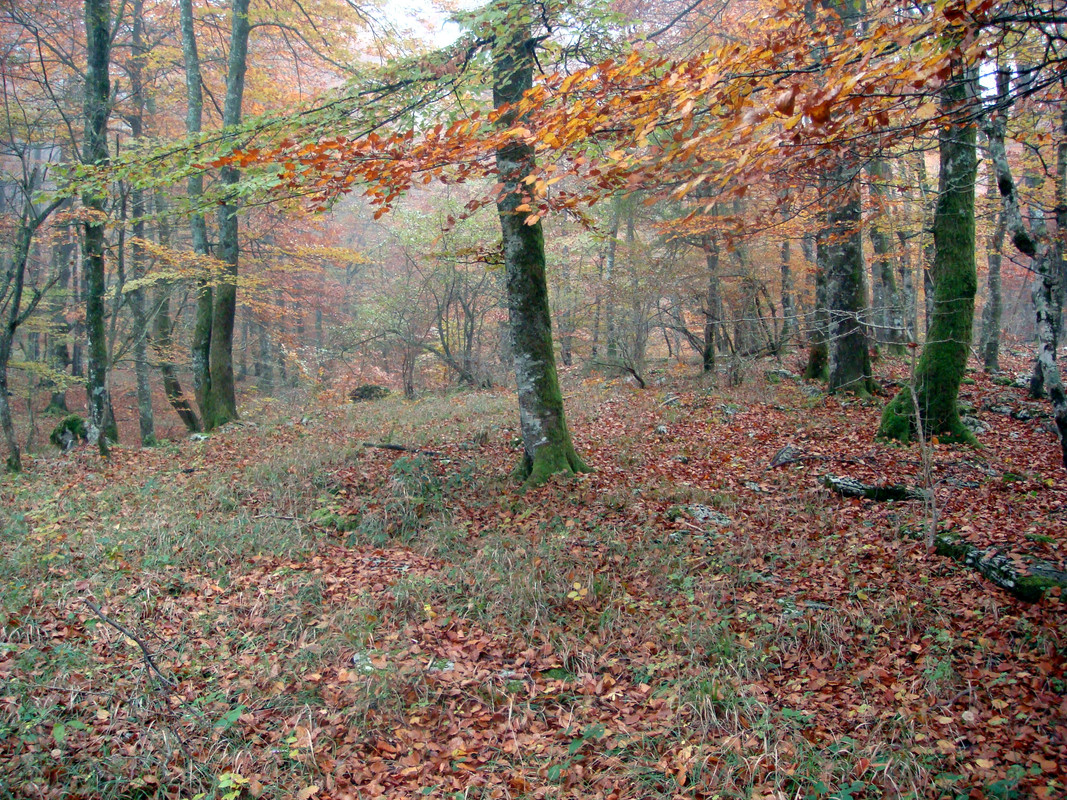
310, 791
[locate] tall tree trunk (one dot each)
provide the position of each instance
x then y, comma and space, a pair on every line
993, 308
223, 400
996, 127
944, 357
1047, 259
137, 254
547, 447
194, 98
102, 426
850, 362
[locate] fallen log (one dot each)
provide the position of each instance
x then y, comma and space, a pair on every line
1029, 585
850, 487
1028, 581
402, 448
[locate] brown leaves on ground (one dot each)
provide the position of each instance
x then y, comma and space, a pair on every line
683, 622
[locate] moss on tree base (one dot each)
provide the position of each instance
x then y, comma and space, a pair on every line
550, 460
898, 424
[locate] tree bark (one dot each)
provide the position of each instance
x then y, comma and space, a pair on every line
137, 255
887, 305
713, 302
222, 402
944, 357
163, 341
818, 366
102, 426
992, 310
194, 98
850, 362
1047, 260
547, 447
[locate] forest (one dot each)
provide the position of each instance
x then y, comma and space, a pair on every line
533, 399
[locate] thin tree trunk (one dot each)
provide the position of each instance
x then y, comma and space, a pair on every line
194, 94
62, 253
818, 366
887, 304
789, 311
711, 310
137, 255
102, 426
547, 447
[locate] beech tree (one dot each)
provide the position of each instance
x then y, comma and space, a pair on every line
102, 427
1046, 256
547, 447
943, 361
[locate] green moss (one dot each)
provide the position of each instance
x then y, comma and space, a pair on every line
818, 366
71, 424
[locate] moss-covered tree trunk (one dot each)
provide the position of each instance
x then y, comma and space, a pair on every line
944, 357
849, 359
547, 447
94, 151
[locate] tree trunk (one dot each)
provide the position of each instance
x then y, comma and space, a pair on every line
611, 337
711, 310
137, 255
850, 362
102, 426
62, 253
163, 340
547, 447
888, 308
223, 399
818, 366
194, 94
1047, 260
944, 358
789, 311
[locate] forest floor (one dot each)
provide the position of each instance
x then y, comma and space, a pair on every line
331, 620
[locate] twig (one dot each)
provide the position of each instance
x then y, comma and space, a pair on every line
279, 516
144, 650
402, 448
